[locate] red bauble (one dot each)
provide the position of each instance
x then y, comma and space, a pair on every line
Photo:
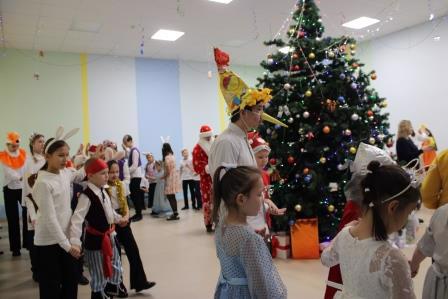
291, 160
300, 34
326, 129
370, 113
272, 161
306, 171
295, 55
296, 68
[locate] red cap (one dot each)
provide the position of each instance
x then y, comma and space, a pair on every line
205, 131
95, 165
257, 143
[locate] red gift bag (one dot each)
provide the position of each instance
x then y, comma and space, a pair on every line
305, 239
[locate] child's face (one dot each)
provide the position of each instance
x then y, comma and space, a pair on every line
114, 172
398, 219
150, 158
100, 178
251, 203
12, 147
158, 167
262, 158
185, 154
38, 145
58, 159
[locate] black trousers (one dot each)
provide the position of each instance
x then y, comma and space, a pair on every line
197, 192
185, 185
126, 239
151, 192
60, 278
33, 253
137, 195
13, 197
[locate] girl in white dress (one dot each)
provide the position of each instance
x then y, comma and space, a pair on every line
371, 268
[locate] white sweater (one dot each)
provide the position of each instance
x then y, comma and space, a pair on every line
52, 195
33, 165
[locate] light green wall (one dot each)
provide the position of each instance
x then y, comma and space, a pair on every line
29, 105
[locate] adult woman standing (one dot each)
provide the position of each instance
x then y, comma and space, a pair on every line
172, 179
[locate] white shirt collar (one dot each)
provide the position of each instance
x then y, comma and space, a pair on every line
95, 189
237, 130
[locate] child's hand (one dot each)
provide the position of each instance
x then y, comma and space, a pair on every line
414, 268
123, 221
75, 251
276, 211
144, 189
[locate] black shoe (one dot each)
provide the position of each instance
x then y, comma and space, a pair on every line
154, 214
136, 218
185, 208
113, 290
83, 280
209, 228
16, 253
175, 216
145, 286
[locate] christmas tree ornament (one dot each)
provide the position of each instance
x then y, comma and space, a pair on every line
312, 55
383, 104
268, 131
380, 137
270, 61
341, 99
306, 171
323, 160
352, 46
295, 56
290, 120
390, 142
291, 222
300, 34
347, 132
297, 115
272, 161
354, 85
331, 54
291, 31
353, 150
373, 76
355, 65
310, 135
306, 114
369, 113
342, 76
371, 118
282, 182
331, 208
355, 117
372, 140
326, 130
308, 178
291, 160
287, 86
298, 208
353, 52
308, 93
296, 68
340, 167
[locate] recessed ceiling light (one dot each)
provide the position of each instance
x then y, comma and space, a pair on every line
169, 35
221, 1
360, 23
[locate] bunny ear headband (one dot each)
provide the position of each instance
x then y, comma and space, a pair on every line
60, 136
165, 139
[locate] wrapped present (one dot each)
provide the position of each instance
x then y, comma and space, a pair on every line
280, 246
305, 239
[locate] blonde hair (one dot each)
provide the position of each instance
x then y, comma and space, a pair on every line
404, 129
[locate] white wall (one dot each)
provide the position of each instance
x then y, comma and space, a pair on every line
112, 98
412, 73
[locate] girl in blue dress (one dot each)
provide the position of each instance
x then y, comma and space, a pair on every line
247, 270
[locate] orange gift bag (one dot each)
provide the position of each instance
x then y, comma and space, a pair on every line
305, 239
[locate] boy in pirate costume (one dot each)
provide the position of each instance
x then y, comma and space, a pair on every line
94, 206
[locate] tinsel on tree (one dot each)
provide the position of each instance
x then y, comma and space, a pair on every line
322, 93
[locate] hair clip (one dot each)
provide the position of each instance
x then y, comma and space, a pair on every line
228, 166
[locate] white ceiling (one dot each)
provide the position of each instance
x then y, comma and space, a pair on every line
239, 27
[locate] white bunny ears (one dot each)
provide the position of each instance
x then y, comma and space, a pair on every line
60, 136
165, 139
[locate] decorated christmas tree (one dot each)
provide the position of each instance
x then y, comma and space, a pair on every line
322, 93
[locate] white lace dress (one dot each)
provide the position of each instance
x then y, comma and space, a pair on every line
370, 269
247, 270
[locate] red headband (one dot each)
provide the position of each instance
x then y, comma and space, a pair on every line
95, 166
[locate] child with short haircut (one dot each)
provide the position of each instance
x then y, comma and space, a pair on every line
371, 268
247, 270
95, 207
